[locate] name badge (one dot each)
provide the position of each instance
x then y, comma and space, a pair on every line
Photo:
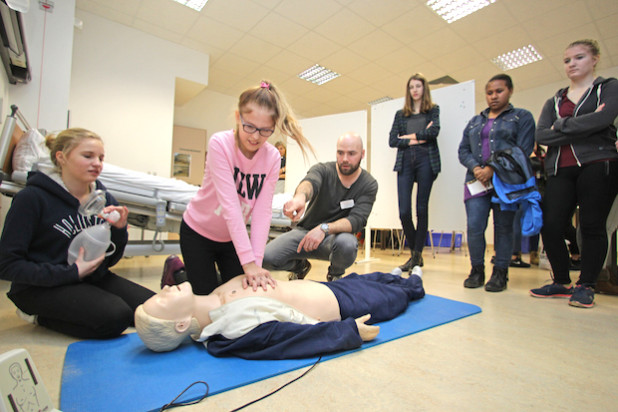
347, 204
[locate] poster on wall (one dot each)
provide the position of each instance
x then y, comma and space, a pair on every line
182, 165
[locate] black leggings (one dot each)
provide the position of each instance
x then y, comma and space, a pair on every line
99, 309
200, 255
593, 187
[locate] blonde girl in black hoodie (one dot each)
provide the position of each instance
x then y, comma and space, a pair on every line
83, 299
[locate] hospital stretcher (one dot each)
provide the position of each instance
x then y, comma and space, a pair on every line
155, 203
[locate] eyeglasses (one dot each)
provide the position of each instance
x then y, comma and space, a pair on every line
252, 129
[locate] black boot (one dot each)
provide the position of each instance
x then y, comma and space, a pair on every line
406, 267
498, 280
417, 259
476, 279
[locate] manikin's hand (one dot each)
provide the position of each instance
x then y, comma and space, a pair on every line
122, 211
312, 240
85, 268
366, 332
255, 276
483, 174
295, 207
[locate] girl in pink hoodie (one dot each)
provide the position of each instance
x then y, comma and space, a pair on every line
242, 169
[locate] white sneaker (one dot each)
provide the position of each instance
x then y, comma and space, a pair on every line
416, 270
28, 318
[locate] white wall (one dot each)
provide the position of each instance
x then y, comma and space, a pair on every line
208, 110
122, 87
44, 101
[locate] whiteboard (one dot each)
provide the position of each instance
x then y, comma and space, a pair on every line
446, 207
323, 133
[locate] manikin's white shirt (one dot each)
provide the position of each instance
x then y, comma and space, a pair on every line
239, 317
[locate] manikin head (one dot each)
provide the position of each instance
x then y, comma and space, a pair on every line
167, 318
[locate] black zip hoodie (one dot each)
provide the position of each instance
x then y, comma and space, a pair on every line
591, 135
39, 227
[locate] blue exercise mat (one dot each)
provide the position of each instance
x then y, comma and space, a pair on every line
123, 375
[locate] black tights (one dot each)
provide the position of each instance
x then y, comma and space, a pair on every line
593, 187
200, 255
88, 310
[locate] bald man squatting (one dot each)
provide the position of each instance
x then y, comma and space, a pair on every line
340, 196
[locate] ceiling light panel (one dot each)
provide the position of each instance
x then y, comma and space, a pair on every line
380, 100
197, 5
452, 10
318, 75
517, 58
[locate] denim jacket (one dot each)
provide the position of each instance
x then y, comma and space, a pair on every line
512, 127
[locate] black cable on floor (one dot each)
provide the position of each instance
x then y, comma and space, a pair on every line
173, 405
279, 388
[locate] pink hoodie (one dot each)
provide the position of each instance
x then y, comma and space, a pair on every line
235, 189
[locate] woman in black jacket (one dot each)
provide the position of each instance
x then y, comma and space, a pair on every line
83, 299
577, 126
414, 134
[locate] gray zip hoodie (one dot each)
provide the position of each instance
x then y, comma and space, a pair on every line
590, 135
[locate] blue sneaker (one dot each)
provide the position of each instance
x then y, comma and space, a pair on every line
583, 297
555, 290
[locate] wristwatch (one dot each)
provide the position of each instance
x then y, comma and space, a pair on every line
324, 228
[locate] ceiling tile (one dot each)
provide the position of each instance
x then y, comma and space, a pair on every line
169, 15
414, 25
439, 43
344, 60
563, 21
375, 44
384, 11
314, 46
289, 62
235, 64
240, 14
367, 73
129, 7
403, 59
278, 30
255, 49
107, 13
307, 13
157, 30
344, 27
210, 31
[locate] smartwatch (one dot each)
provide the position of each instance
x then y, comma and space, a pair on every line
324, 227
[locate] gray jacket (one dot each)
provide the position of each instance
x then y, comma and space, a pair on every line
590, 135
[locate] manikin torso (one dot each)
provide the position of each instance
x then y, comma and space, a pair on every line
311, 298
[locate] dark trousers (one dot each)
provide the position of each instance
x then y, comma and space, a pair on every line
200, 255
593, 188
416, 168
87, 310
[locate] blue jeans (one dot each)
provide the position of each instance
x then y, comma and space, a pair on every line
416, 168
517, 231
477, 212
339, 249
